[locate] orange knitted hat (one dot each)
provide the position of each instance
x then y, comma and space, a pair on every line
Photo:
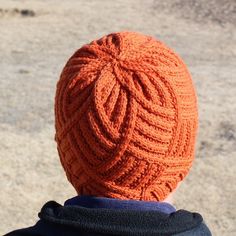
126, 118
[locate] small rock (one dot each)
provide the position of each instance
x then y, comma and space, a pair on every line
23, 71
27, 12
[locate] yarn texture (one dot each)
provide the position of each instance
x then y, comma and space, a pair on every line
126, 118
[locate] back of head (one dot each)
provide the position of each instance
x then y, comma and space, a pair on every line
126, 118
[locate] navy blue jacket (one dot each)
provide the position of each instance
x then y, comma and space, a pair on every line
97, 216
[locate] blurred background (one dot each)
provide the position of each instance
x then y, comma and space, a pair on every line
36, 39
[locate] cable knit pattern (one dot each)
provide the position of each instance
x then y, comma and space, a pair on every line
126, 118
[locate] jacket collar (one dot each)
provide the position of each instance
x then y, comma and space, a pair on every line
116, 221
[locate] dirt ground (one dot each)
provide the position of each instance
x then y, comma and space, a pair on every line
36, 39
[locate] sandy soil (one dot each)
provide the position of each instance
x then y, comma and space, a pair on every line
37, 37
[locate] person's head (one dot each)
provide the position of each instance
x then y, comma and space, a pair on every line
126, 118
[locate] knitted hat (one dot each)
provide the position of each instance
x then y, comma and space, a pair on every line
126, 118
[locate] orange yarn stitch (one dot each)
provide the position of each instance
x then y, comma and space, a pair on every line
126, 118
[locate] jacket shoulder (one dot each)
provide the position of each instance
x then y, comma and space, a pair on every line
201, 230
21, 232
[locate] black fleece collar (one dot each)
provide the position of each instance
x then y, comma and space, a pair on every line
119, 221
